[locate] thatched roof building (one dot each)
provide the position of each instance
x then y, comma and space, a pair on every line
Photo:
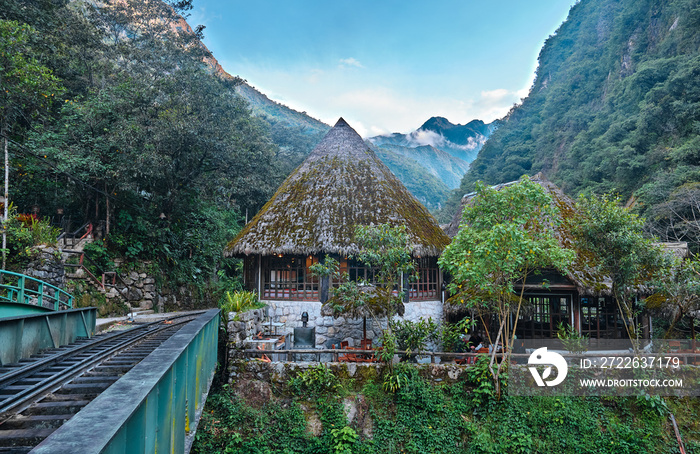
340, 185
581, 297
582, 274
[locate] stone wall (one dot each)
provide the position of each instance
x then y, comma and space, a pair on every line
242, 325
278, 373
46, 264
342, 329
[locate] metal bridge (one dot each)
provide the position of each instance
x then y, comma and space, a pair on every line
64, 389
21, 294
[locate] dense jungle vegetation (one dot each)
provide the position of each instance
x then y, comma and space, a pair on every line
615, 107
112, 116
309, 414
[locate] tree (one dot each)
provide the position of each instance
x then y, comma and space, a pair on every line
27, 89
678, 293
614, 236
505, 236
386, 251
678, 218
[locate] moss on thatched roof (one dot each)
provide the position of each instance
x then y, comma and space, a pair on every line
583, 273
341, 184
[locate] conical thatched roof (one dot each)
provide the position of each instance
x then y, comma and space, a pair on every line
341, 184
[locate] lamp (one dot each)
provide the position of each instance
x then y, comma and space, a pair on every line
304, 318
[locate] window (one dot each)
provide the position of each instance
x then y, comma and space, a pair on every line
541, 314
427, 285
600, 319
287, 277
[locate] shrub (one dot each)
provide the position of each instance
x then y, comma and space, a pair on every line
314, 381
238, 302
413, 336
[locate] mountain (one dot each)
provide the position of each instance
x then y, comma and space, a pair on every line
425, 186
461, 141
295, 133
615, 107
262, 106
435, 161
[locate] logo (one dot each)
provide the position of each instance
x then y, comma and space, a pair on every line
542, 357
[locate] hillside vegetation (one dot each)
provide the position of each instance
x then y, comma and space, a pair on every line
615, 107
115, 118
320, 412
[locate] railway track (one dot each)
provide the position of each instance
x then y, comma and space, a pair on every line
39, 394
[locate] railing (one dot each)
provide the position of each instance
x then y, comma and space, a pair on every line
21, 337
44, 295
107, 278
155, 406
356, 354
687, 357
66, 236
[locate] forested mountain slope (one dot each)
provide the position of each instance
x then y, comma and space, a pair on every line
615, 106
113, 116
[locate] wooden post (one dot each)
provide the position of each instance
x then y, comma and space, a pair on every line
323, 284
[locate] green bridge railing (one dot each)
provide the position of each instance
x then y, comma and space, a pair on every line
153, 408
19, 288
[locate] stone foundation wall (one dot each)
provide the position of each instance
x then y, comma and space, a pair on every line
343, 329
242, 325
46, 264
278, 373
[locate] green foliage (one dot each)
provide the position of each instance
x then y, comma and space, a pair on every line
395, 378
677, 293
100, 256
614, 237
573, 341
388, 341
505, 236
480, 377
146, 137
239, 301
413, 337
28, 87
343, 440
421, 417
451, 334
655, 404
23, 232
314, 381
229, 425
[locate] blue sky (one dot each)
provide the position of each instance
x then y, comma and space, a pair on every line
383, 65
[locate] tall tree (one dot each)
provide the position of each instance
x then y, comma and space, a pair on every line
27, 89
615, 237
505, 236
678, 293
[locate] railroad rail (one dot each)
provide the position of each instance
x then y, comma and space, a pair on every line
39, 394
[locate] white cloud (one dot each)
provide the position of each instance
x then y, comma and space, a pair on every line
370, 102
423, 137
345, 62
494, 95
